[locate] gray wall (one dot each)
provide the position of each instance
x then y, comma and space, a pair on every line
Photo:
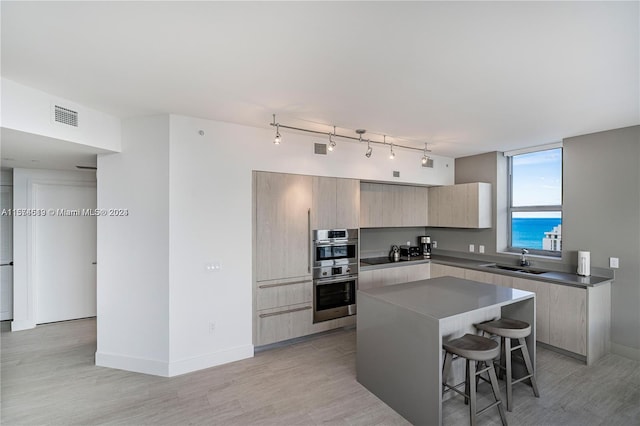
601, 213
601, 210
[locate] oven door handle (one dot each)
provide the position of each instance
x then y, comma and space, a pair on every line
336, 280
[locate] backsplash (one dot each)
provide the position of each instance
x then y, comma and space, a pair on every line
376, 242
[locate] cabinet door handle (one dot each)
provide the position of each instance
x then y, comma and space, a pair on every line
284, 312
283, 284
309, 240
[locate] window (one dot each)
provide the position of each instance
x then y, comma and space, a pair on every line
535, 202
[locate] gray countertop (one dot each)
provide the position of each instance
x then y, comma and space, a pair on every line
445, 297
556, 277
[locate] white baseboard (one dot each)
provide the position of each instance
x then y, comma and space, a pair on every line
625, 351
19, 325
176, 368
201, 362
137, 365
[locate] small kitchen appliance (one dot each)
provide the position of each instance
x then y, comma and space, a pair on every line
584, 263
408, 252
425, 246
394, 254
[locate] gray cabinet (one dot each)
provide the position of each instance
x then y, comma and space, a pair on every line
460, 206
383, 205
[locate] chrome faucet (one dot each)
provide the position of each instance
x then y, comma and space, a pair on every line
523, 260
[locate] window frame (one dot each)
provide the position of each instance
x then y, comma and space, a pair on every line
511, 209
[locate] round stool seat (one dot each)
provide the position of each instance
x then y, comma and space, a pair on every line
473, 347
506, 327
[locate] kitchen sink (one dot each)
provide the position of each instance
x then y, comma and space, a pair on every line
514, 269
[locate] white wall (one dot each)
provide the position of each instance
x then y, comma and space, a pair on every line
29, 110
133, 251
24, 294
207, 202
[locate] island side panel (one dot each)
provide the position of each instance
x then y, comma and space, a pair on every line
399, 359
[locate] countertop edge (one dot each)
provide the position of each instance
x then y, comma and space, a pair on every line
475, 265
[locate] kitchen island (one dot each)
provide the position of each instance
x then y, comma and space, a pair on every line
401, 329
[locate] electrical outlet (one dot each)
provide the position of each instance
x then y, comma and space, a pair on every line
472, 248
212, 327
480, 249
434, 244
614, 262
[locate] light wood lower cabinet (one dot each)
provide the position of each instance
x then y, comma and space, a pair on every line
283, 323
393, 275
574, 319
438, 270
541, 289
288, 322
568, 318
284, 310
279, 293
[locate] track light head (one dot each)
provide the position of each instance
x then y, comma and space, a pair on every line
278, 138
332, 143
369, 150
392, 154
425, 159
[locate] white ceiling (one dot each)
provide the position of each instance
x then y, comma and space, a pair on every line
467, 77
29, 151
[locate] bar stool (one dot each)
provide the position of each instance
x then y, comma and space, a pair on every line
476, 350
508, 329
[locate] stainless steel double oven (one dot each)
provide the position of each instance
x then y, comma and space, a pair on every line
335, 273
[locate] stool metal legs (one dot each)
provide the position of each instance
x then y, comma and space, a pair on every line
473, 370
506, 359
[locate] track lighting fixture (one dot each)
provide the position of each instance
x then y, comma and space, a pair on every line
278, 138
426, 159
332, 143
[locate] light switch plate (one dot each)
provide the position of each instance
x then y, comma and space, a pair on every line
472, 248
213, 266
614, 262
434, 244
480, 249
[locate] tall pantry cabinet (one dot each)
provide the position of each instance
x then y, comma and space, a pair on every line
287, 207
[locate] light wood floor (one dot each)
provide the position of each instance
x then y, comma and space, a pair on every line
49, 377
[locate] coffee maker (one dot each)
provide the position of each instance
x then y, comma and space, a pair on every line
425, 246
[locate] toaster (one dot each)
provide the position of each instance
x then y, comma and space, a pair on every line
409, 252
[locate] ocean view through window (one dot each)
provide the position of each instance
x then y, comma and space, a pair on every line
535, 202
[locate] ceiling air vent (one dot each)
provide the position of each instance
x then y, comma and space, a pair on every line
66, 116
320, 148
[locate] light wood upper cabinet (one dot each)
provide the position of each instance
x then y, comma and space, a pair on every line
460, 206
336, 203
348, 203
283, 203
371, 205
383, 205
